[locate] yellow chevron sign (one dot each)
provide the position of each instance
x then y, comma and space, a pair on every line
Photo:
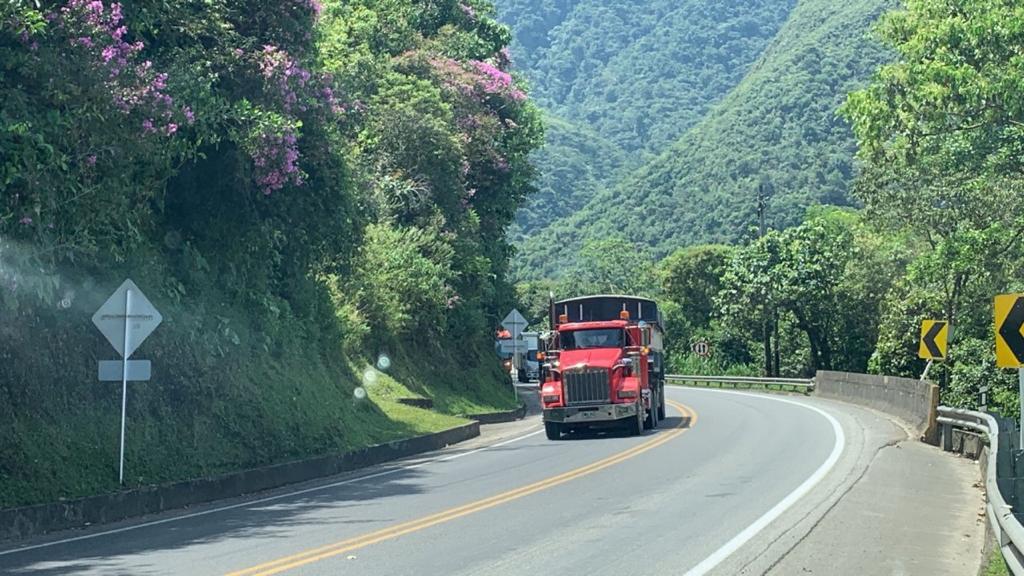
1009, 339
934, 340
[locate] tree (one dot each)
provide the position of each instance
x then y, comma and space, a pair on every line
826, 277
614, 266
692, 278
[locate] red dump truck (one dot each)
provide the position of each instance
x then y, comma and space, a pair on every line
604, 366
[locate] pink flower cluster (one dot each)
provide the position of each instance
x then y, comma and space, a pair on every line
275, 158
98, 29
497, 81
284, 75
468, 10
477, 79
93, 25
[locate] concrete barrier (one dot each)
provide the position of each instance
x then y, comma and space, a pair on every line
16, 523
915, 402
500, 417
425, 403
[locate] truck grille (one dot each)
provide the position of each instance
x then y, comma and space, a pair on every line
586, 386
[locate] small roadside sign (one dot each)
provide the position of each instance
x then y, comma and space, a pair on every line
1009, 320
136, 370
702, 349
514, 322
113, 318
126, 319
934, 340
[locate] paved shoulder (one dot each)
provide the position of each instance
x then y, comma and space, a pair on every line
917, 510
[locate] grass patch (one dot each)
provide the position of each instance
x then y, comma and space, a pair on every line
472, 383
996, 566
385, 391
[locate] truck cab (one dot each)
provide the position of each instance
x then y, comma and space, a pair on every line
604, 369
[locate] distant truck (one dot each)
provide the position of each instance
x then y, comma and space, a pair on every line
605, 365
521, 353
529, 367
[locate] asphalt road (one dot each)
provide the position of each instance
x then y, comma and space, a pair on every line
725, 477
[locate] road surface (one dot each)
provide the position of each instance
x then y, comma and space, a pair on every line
728, 484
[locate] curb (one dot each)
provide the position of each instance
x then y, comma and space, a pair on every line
425, 403
19, 523
500, 417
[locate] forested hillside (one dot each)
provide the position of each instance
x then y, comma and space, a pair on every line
636, 73
936, 133
779, 126
301, 187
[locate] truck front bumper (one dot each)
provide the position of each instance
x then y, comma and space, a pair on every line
590, 414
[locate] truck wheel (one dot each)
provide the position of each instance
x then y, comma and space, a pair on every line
635, 426
661, 405
553, 430
651, 421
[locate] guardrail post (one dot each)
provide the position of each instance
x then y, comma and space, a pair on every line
947, 437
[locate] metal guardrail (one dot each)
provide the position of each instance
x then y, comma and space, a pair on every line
748, 381
1007, 529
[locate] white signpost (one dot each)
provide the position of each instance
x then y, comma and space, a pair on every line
514, 323
126, 319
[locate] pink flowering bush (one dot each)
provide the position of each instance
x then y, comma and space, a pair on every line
495, 81
477, 79
95, 33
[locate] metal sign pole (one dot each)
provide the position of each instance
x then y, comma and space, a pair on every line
927, 367
124, 379
515, 360
1020, 383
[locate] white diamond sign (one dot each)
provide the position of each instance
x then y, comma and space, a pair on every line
514, 322
127, 303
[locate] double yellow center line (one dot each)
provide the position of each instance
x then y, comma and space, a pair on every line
330, 550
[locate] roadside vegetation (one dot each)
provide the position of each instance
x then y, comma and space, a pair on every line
299, 187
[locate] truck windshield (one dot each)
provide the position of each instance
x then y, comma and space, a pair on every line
601, 338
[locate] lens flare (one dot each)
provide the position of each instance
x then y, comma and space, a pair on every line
369, 377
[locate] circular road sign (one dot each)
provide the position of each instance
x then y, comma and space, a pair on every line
702, 349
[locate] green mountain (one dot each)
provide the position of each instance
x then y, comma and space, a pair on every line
625, 80
777, 124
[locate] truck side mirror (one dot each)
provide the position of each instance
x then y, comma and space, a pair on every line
627, 366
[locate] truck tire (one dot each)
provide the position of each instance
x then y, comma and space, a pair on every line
661, 403
635, 426
651, 421
553, 430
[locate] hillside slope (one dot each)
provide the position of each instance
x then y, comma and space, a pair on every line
628, 74
779, 125
301, 188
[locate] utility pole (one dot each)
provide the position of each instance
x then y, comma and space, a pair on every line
767, 324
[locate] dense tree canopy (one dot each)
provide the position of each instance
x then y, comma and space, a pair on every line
624, 80
940, 133
778, 125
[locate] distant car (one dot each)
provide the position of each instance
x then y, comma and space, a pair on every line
532, 368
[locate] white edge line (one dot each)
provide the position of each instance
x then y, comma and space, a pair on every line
737, 541
266, 499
